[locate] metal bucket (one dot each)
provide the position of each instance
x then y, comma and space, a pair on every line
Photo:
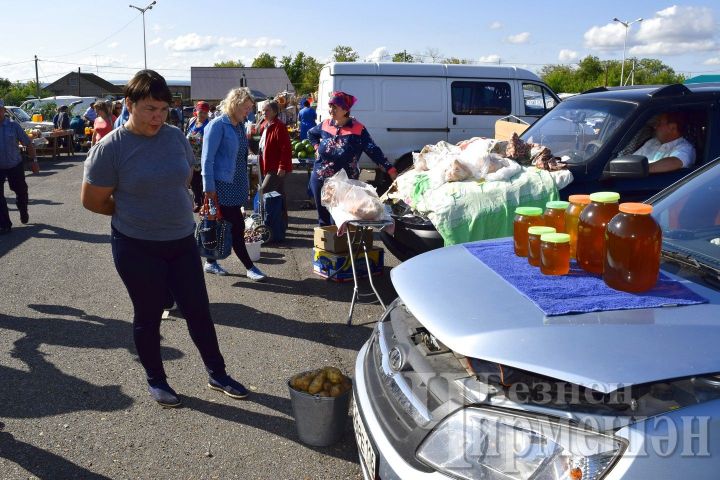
320, 421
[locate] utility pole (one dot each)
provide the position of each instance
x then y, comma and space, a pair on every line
143, 10
79, 82
37, 79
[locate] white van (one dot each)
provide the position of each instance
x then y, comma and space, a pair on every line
406, 106
80, 103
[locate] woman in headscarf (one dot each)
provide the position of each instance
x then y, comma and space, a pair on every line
339, 142
194, 134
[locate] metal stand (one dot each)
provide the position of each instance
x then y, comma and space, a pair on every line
361, 226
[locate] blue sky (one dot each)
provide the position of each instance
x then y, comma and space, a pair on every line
105, 37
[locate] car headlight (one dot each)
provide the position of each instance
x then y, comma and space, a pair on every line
476, 443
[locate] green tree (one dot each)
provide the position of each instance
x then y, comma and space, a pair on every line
264, 60
403, 57
18, 92
229, 64
303, 72
592, 72
343, 53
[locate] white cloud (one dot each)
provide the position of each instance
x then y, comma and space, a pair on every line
566, 55
377, 55
673, 48
113, 44
712, 61
675, 30
192, 42
519, 38
494, 58
607, 37
155, 41
496, 25
265, 42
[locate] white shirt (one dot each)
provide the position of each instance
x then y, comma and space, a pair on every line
679, 148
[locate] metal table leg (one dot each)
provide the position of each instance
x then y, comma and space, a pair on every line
356, 291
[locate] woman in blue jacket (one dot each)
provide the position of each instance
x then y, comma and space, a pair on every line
339, 141
225, 175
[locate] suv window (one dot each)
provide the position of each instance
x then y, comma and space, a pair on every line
481, 98
538, 100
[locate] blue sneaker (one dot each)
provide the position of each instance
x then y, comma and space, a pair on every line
255, 274
231, 388
215, 269
163, 394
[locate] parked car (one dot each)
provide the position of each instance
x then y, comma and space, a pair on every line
19, 115
406, 106
77, 105
465, 377
597, 131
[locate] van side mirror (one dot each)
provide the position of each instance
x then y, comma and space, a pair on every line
628, 166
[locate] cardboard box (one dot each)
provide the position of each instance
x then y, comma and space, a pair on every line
337, 267
326, 239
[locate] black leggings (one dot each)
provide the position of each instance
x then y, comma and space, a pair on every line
149, 269
235, 216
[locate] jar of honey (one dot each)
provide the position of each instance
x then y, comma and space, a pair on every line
525, 217
534, 234
633, 241
576, 205
555, 215
591, 230
555, 253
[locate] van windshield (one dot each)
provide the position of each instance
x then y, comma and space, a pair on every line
577, 128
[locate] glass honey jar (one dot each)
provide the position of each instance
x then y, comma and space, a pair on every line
555, 253
534, 234
525, 217
633, 241
554, 215
594, 218
576, 205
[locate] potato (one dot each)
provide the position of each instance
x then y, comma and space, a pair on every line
336, 390
333, 374
323, 393
317, 384
303, 383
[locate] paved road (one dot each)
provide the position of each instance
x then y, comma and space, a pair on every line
73, 403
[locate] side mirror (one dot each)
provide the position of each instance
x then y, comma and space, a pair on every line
628, 166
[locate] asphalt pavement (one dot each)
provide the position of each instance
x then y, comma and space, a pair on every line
73, 399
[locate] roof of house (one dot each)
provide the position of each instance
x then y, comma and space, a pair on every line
703, 79
90, 77
213, 83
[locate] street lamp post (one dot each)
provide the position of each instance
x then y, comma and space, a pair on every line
627, 27
143, 10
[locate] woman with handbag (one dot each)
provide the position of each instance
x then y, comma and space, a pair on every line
275, 153
225, 173
139, 175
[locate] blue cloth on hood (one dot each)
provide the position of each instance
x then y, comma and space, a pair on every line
577, 292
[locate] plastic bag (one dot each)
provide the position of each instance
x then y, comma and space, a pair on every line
351, 199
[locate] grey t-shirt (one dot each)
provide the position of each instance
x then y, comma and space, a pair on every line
150, 177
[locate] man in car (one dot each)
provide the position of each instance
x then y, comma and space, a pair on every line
668, 150
11, 168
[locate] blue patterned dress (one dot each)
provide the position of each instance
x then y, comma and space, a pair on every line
235, 193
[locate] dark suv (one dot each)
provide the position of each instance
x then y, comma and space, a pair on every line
598, 131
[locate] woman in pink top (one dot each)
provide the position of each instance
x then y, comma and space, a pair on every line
103, 124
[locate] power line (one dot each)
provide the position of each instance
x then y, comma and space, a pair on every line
98, 43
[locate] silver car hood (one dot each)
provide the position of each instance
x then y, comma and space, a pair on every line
476, 313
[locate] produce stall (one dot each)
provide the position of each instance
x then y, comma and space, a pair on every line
57, 142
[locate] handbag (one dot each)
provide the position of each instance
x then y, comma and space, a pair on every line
213, 235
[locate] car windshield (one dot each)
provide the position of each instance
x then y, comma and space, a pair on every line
690, 220
21, 115
576, 129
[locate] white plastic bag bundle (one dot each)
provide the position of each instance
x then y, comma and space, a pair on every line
351, 199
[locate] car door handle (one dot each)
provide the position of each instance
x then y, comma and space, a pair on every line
454, 120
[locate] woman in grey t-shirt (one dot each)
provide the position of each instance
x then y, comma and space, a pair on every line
139, 174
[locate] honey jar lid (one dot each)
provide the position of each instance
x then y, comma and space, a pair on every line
529, 211
540, 230
555, 238
582, 199
636, 208
605, 197
557, 204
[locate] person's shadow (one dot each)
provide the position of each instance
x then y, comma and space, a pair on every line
41, 389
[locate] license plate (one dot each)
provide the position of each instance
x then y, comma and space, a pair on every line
363, 442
